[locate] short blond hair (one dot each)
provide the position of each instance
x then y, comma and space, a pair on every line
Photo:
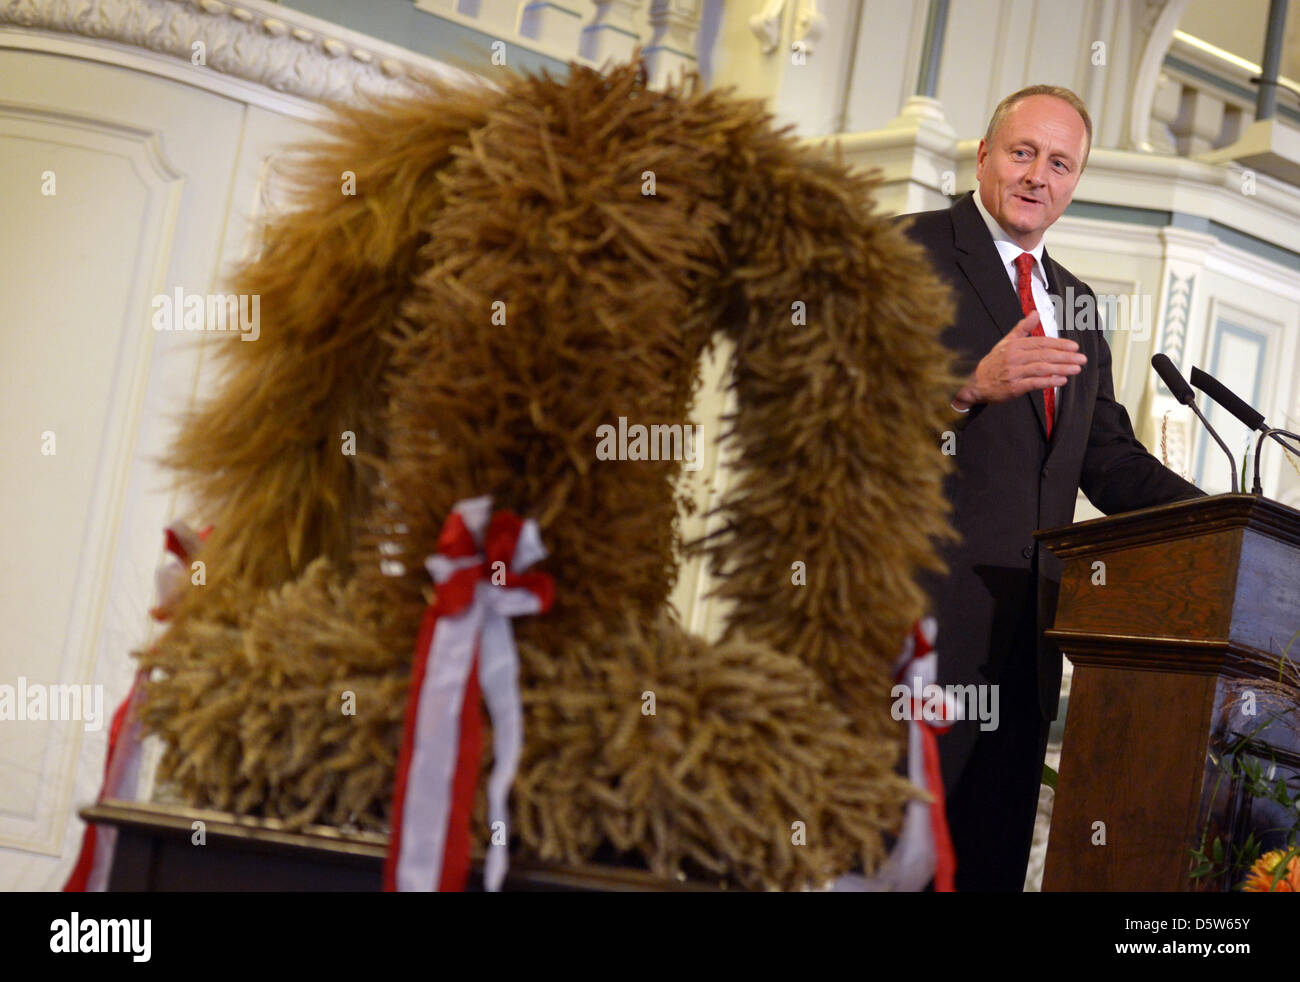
1057, 92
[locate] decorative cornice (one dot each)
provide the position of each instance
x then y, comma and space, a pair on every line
259, 42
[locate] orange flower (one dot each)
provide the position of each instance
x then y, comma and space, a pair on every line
1260, 879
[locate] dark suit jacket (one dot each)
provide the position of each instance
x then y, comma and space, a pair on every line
1009, 479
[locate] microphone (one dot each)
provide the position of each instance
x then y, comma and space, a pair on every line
1173, 379
1176, 384
1249, 416
1268, 431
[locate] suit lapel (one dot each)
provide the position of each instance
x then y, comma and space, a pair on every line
978, 259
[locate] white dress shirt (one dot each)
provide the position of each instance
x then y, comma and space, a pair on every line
1008, 251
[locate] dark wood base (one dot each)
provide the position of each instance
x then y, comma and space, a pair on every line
156, 851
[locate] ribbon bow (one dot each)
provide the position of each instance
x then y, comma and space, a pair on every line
466, 646
173, 575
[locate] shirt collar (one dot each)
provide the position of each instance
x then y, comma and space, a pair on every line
1007, 249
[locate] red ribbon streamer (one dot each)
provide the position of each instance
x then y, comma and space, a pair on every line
80, 875
453, 596
945, 858
79, 878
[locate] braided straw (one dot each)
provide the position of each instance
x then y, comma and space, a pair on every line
771, 756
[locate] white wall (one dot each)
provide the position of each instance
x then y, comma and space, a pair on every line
130, 171
153, 182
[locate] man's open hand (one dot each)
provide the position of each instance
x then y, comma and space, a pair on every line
1018, 364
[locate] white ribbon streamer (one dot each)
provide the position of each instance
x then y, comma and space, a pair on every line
486, 622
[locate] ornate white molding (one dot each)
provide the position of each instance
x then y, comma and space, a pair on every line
263, 43
1173, 329
766, 25
809, 25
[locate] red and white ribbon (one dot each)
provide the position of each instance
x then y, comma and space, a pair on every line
122, 762
466, 645
173, 575
924, 848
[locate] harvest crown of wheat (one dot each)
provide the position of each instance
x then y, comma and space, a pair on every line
519, 267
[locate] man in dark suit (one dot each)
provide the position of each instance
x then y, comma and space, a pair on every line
1037, 420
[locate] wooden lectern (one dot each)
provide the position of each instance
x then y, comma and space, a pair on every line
1176, 619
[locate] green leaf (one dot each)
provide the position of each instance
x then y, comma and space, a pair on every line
1049, 777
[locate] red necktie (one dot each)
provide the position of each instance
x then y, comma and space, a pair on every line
1024, 267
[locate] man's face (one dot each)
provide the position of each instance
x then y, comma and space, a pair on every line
1028, 176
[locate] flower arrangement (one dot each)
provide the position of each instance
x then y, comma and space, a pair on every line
1251, 778
1277, 871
